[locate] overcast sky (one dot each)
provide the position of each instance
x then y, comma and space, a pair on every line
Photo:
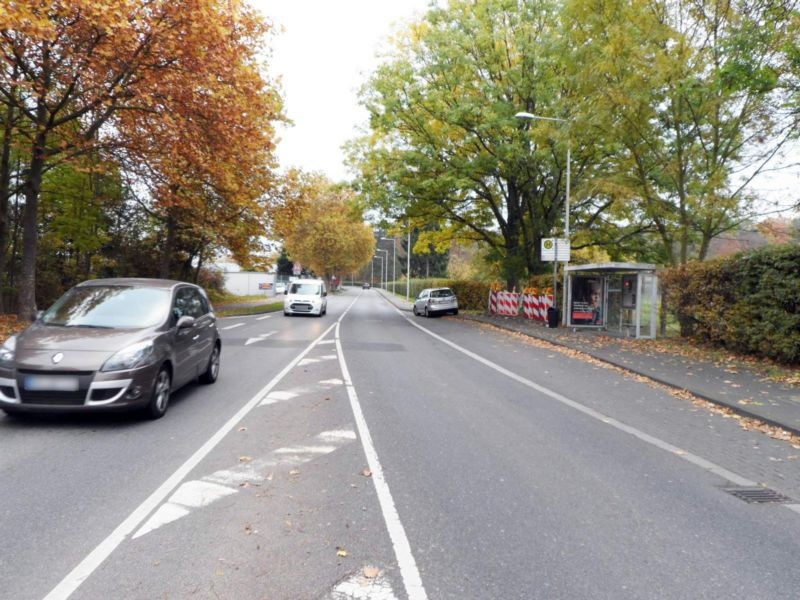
325, 53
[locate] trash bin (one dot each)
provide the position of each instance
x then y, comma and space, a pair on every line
552, 317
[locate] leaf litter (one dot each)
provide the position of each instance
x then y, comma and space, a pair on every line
746, 423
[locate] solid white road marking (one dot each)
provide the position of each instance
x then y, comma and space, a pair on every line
225, 482
311, 361
278, 396
359, 587
397, 533
332, 382
260, 338
234, 326
590, 412
262, 318
336, 435
87, 566
192, 494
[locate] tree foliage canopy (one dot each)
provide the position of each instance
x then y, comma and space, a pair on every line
670, 110
171, 92
322, 226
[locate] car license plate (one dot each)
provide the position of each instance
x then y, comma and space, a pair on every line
51, 383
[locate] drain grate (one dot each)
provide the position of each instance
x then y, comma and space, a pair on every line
757, 495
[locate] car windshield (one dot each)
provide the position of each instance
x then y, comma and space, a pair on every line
307, 289
109, 306
444, 293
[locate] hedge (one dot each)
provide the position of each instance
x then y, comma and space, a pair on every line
472, 295
746, 303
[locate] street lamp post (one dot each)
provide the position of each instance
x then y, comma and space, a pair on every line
527, 115
386, 275
394, 261
408, 267
380, 258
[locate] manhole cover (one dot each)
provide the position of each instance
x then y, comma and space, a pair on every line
757, 495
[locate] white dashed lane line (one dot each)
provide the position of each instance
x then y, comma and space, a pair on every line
232, 326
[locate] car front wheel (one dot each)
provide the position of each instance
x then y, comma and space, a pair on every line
159, 399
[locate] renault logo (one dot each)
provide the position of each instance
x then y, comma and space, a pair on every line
57, 358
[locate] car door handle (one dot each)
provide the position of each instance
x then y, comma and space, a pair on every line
195, 337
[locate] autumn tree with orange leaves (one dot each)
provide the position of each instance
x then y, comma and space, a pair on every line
322, 225
171, 88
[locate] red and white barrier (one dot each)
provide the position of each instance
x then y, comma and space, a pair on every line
530, 306
545, 302
492, 302
508, 304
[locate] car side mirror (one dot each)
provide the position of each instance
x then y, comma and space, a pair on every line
39, 314
324, 293
185, 322
286, 292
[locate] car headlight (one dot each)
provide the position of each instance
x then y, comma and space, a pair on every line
131, 357
7, 351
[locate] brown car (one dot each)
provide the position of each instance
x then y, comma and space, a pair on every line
111, 344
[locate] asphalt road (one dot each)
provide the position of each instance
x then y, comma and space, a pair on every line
373, 454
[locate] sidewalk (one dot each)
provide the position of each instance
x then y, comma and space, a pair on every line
738, 387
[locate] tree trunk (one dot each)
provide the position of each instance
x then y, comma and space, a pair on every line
200, 258
169, 244
5, 195
662, 314
26, 306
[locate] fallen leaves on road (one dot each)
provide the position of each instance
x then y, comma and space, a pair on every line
294, 472
248, 530
245, 459
366, 472
242, 429
371, 572
341, 551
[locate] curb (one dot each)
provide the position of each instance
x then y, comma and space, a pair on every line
390, 298
734, 408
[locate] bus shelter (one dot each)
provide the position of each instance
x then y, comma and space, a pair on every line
621, 298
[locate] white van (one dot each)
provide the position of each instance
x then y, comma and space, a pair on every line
306, 297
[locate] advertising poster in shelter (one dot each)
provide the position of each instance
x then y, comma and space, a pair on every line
587, 300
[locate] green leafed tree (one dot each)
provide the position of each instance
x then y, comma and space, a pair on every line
445, 146
695, 97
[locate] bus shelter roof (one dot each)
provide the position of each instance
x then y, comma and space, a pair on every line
612, 267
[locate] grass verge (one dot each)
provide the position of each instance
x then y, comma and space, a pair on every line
249, 310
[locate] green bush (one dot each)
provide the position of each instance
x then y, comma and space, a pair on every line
747, 303
472, 295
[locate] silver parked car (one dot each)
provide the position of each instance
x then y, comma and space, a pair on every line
112, 344
436, 301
